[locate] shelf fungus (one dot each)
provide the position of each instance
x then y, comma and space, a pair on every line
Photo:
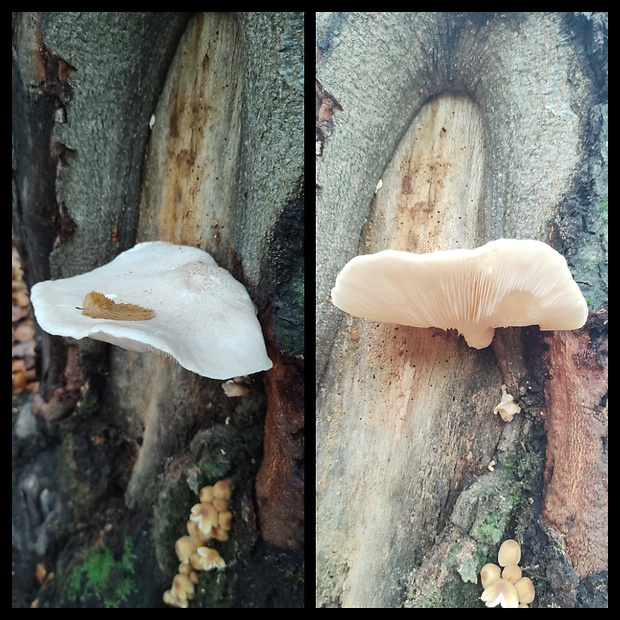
504, 584
507, 407
171, 299
507, 282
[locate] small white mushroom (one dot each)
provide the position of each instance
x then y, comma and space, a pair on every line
203, 317
504, 283
501, 592
507, 407
236, 387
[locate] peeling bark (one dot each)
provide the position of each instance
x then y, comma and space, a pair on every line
576, 475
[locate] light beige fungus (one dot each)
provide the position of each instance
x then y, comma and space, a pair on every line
507, 282
506, 587
507, 407
509, 553
204, 318
501, 592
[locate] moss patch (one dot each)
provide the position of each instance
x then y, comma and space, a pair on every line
99, 575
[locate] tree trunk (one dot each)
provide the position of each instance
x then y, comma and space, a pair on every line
131, 127
439, 131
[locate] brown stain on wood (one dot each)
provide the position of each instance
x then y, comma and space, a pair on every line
191, 172
59, 400
434, 186
576, 477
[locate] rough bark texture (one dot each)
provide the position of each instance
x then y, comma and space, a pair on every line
120, 442
479, 126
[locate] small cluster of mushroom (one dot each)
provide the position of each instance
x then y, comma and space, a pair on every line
209, 520
505, 586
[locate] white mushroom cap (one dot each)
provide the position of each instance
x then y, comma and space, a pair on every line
507, 282
204, 318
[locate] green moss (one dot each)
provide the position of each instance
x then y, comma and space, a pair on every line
215, 469
516, 498
216, 588
480, 558
99, 575
491, 530
172, 508
510, 466
78, 493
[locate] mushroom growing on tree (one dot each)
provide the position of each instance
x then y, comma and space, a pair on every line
509, 553
507, 407
506, 587
196, 311
501, 592
507, 282
193, 555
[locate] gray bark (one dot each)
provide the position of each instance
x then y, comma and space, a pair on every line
479, 126
128, 438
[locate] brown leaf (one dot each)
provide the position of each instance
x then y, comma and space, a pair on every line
98, 306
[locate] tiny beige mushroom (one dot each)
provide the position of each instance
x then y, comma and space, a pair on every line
501, 592
509, 553
185, 569
205, 516
489, 573
220, 504
206, 494
185, 546
170, 599
512, 573
182, 587
224, 520
507, 407
233, 389
207, 558
221, 489
219, 533
194, 530
525, 590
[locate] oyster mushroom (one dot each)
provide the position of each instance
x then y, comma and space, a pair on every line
507, 282
197, 312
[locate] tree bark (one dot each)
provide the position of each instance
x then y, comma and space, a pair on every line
187, 128
439, 131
